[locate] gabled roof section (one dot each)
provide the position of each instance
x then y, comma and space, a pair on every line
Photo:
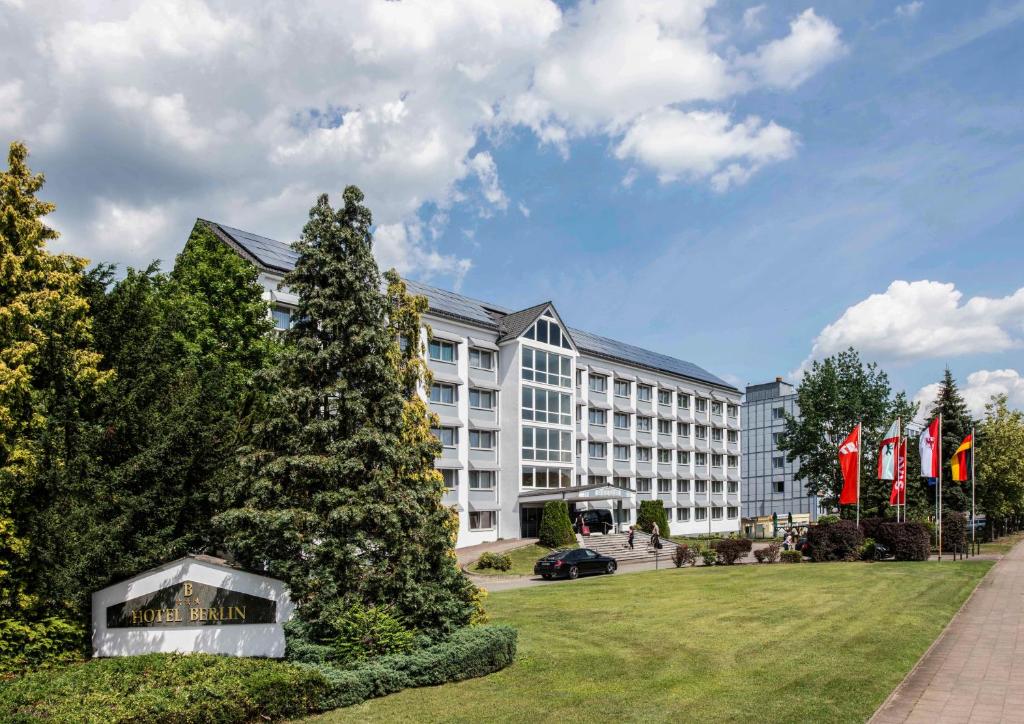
268, 253
514, 324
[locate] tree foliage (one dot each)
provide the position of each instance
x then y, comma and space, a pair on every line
650, 512
999, 457
834, 395
956, 425
555, 527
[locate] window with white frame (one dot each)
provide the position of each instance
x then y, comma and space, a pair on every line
682, 515
682, 457
443, 393
597, 450
734, 486
482, 439
597, 383
776, 437
643, 454
664, 427
547, 368
544, 477
664, 456
548, 332
621, 481
716, 512
550, 406
716, 434
597, 417
621, 452
683, 429
778, 462
482, 520
623, 388
282, 318
664, 397
702, 404
684, 401
778, 413
700, 513
481, 359
734, 437
579, 413
734, 512
716, 408
682, 486
621, 421
664, 486
701, 432
598, 479
450, 477
441, 350
778, 486
643, 424
700, 486
540, 443
579, 378
716, 487
700, 459
449, 436
482, 479
482, 399
717, 460
644, 393
733, 461
643, 485
734, 411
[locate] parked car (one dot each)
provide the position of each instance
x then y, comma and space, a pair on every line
573, 564
599, 521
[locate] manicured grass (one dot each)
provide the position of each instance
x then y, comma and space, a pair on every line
810, 642
1002, 545
522, 561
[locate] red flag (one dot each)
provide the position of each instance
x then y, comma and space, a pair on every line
849, 461
898, 496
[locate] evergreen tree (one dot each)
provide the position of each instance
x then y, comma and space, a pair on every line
956, 425
555, 527
339, 498
48, 373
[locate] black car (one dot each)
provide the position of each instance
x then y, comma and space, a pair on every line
573, 564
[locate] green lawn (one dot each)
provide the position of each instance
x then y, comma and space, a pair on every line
522, 561
1001, 545
809, 642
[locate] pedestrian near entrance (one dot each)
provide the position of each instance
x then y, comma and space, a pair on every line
629, 538
655, 535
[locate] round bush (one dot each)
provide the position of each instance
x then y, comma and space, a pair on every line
709, 557
494, 561
839, 541
729, 551
906, 541
791, 557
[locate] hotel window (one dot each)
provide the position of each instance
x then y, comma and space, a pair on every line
481, 359
621, 421
450, 477
597, 417
597, 383
682, 457
597, 450
684, 401
620, 481
441, 350
701, 432
702, 404
716, 434
664, 486
778, 413
449, 436
623, 388
282, 318
643, 485
682, 486
442, 393
482, 399
734, 410
778, 462
546, 477
643, 393
683, 429
481, 520
481, 479
734, 437
734, 487
664, 427
548, 332
579, 378
700, 459
716, 408
700, 486
664, 456
717, 460
482, 439
682, 514
539, 443
546, 367
664, 397
621, 452
643, 454
734, 512
716, 487
579, 413
546, 406
779, 486
643, 424
598, 479
716, 512
734, 461
700, 513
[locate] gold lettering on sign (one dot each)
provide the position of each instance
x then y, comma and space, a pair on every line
193, 614
188, 589
240, 610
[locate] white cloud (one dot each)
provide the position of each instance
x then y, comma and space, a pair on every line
136, 231
401, 246
978, 390
486, 171
11, 107
924, 319
524, 209
705, 145
752, 18
813, 42
909, 10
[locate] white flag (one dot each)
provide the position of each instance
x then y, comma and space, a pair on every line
887, 453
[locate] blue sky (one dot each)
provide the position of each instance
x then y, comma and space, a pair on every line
743, 185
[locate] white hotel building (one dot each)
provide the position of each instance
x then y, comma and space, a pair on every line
532, 410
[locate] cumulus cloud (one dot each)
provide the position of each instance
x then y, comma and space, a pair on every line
924, 319
978, 390
483, 166
752, 18
909, 10
813, 42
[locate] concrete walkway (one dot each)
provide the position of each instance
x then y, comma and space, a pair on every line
974, 672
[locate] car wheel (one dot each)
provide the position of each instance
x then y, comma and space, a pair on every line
610, 568
574, 572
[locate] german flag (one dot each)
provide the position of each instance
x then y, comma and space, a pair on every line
961, 461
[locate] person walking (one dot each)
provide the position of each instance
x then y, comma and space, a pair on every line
787, 542
655, 534
629, 538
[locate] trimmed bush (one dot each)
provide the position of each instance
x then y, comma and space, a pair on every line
768, 554
954, 531
28, 645
730, 550
867, 549
685, 555
494, 561
200, 687
555, 527
828, 519
839, 541
869, 527
709, 556
650, 512
906, 541
791, 557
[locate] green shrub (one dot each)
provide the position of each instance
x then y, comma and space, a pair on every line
828, 519
906, 541
730, 550
31, 644
495, 561
709, 556
685, 555
365, 632
791, 557
839, 541
650, 512
555, 527
768, 554
867, 549
954, 531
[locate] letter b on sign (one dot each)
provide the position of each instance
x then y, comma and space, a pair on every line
188, 589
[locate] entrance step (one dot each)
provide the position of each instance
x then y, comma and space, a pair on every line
615, 545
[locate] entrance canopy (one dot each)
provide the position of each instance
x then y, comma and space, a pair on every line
580, 494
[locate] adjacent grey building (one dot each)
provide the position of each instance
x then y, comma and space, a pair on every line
771, 483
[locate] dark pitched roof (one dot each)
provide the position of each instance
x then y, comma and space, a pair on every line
508, 323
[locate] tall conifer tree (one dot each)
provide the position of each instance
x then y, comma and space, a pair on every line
956, 425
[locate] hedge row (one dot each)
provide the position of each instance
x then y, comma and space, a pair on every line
182, 689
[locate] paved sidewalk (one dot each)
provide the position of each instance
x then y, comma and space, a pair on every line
974, 672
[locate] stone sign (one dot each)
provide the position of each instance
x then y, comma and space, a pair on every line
194, 604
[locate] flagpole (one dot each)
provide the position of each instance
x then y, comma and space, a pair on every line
974, 462
896, 465
940, 487
860, 434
